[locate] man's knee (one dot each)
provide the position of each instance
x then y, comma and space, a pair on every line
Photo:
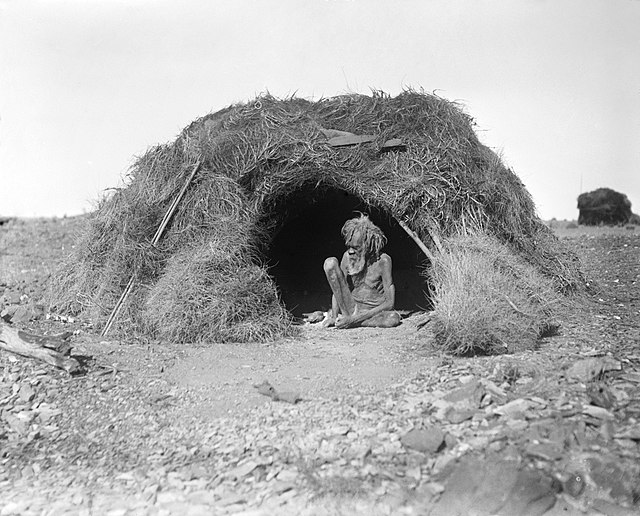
393, 319
331, 264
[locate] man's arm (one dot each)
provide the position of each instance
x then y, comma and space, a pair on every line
389, 291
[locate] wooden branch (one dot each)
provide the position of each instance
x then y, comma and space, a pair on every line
116, 309
417, 240
26, 345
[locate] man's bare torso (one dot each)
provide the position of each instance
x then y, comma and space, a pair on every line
366, 287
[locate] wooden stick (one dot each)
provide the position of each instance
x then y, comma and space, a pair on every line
417, 240
23, 344
156, 238
116, 309
435, 239
174, 205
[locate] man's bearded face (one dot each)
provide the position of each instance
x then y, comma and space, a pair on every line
356, 256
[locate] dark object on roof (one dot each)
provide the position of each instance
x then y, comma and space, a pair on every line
603, 206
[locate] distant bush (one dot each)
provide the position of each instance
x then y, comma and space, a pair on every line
489, 300
571, 225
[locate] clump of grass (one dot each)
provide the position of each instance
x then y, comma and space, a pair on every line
488, 299
210, 292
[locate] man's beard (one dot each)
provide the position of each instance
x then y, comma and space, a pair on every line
356, 264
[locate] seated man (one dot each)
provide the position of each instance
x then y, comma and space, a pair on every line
362, 285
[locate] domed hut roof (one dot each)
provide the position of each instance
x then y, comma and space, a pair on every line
274, 181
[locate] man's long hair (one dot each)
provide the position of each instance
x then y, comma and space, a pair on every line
374, 239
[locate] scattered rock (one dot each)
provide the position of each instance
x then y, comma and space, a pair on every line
590, 369
546, 451
427, 440
457, 416
266, 389
600, 395
19, 423
621, 484
611, 509
597, 412
243, 469
10, 298
491, 486
513, 408
467, 397
574, 484
21, 314
632, 432
26, 392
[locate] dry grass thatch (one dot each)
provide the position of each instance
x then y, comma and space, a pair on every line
256, 156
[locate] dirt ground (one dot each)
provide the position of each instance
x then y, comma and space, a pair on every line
385, 423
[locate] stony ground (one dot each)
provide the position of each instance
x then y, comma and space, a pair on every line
385, 424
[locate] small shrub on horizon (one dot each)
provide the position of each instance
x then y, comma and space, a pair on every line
488, 300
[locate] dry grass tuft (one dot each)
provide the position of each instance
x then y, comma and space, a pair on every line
488, 300
209, 292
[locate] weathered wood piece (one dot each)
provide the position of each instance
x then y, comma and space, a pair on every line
352, 139
27, 345
394, 144
417, 240
333, 133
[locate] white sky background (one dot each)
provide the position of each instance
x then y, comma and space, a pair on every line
85, 85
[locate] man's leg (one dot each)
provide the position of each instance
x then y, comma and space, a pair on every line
389, 319
339, 287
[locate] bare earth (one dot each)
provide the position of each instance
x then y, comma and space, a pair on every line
386, 424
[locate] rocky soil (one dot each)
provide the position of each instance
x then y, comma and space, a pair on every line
362, 421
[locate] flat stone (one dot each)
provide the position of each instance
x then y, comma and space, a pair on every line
600, 395
597, 412
612, 509
485, 486
426, 440
591, 369
26, 392
632, 432
457, 416
518, 406
466, 397
8, 312
24, 313
243, 469
609, 476
545, 451
287, 475
18, 424
10, 298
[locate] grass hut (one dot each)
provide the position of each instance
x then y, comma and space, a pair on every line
276, 180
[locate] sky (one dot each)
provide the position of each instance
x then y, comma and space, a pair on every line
88, 85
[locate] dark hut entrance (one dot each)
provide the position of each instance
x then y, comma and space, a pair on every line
308, 231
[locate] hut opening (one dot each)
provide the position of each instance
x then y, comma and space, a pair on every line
307, 230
